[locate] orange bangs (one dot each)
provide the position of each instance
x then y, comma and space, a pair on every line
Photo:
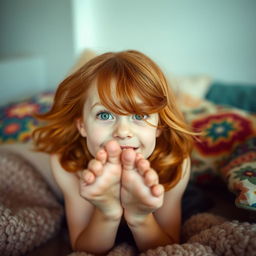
125, 88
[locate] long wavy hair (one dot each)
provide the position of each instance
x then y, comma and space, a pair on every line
136, 76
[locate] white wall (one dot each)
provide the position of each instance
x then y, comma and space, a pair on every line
22, 78
217, 38
39, 39
34, 30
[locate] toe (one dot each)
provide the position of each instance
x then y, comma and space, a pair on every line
88, 177
102, 156
138, 157
113, 151
150, 178
128, 159
95, 167
143, 165
157, 190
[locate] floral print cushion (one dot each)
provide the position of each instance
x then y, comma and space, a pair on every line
223, 129
226, 149
17, 120
239, 171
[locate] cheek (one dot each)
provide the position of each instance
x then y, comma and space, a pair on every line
149, 135
95, 139
149, 140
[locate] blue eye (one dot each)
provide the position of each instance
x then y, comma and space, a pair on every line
104, 116
140, 117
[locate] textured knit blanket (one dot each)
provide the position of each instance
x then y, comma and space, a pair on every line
204, 235
29, 212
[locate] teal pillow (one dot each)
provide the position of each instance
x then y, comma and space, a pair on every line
237, 95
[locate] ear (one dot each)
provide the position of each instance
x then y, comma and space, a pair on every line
158, 132
80, 127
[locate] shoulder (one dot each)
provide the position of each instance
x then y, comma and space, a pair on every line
64, 179
180, 187
69, 183
58, 171
173, 197
186, 169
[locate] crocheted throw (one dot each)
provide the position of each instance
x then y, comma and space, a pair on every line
29, 212
204, 234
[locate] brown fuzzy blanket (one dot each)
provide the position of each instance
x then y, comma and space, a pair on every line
29, 211
203, 235
30, 214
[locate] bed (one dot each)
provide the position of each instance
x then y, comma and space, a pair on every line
223, 168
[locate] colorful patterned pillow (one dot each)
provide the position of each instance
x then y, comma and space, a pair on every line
223, 129
17, 121
239, 171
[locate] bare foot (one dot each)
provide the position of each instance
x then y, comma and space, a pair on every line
141, 193
100, 182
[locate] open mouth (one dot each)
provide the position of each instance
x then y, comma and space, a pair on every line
128, 147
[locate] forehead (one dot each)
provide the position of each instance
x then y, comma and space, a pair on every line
93, 94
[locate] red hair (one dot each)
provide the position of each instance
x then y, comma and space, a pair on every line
135, 75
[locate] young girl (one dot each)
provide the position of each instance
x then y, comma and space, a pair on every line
119, 150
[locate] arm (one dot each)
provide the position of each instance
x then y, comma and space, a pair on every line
99, 235
88, 227
163, 226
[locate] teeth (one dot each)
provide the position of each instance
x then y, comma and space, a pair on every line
134, 148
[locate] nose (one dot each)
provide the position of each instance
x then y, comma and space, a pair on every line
123, 129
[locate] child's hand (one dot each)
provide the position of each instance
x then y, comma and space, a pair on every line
100, 182
141, 193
